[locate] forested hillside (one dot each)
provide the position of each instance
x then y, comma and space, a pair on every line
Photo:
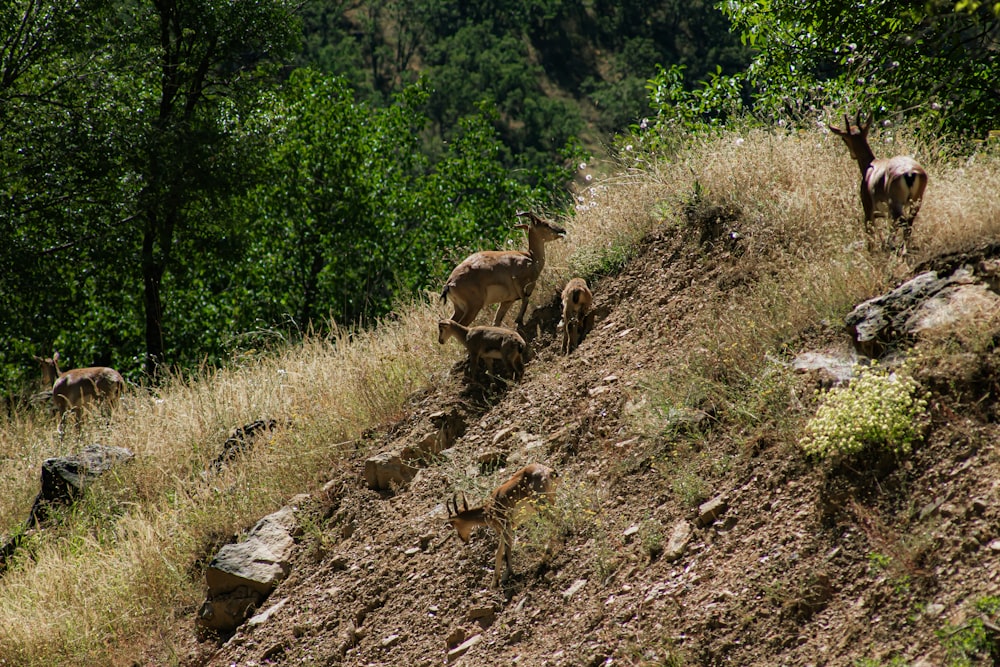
188, 181
184, 180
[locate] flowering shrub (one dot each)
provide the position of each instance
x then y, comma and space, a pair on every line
877, 410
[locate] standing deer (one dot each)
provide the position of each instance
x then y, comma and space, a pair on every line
73, 389
888, 185
505, 509
576, 302
500, 276
488, 344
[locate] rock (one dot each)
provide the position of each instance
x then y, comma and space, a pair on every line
264, 616
631, 532
482, 615
679, 539
65, 477
243, 574
385, 470
709, 511
241, 440
831, 369
574, 588
926, 303
456, 637
224, 613
463, 648
260, 561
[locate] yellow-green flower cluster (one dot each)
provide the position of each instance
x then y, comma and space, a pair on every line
878, 410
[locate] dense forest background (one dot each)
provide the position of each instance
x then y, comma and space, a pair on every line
185, 181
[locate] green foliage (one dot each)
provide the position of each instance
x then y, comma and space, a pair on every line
930, 60
350, 215
972, 642
878, 410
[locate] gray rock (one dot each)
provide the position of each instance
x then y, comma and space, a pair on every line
709, 511
928, 302
259, 562
679, 539
463, 648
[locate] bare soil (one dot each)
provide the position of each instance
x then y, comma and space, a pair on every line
808, 564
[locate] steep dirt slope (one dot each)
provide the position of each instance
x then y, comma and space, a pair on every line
803, 565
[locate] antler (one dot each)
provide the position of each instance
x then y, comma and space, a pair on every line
452, 505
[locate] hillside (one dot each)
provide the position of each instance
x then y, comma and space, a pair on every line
690, 527
682, 393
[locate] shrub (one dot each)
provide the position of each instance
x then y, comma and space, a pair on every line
878, 410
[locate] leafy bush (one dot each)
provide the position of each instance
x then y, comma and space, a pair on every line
879, 409
972, 643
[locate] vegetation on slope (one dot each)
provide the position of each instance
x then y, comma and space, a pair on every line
127, 561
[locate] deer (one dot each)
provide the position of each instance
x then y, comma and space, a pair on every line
576, 302
894, 185
506, 508
500, 276
73, 390
487, 343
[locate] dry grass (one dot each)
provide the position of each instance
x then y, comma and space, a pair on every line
125, 561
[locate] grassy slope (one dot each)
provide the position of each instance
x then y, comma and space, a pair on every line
126, 562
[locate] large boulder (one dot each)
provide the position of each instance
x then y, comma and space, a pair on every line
63, 480
244, 573
65, 477
926, 303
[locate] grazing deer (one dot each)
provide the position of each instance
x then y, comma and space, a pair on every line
576, 302
73, 389
505, 509
500, 276
894, 185
487, 343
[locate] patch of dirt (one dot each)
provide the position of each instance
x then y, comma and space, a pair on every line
806, 565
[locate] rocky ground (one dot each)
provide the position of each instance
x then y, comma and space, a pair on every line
769, 560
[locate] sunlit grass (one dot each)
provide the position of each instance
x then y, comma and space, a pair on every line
124, 561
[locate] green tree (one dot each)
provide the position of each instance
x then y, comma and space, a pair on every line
887, 57
202, 61
353, 215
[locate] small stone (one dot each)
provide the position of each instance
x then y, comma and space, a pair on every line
712, 510
679, 539
456, 637
574, 588
630, 532
463, 648
933, 610
391, 641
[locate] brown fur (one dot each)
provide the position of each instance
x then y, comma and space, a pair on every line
506, 507
488, 344
74, 389
577, 300
889, 186
500, 276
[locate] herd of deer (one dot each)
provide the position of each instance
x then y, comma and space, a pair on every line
891, 187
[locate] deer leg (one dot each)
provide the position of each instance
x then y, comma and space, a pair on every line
501, 311
528, 289
500, 559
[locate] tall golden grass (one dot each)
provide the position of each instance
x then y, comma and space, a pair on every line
124, 561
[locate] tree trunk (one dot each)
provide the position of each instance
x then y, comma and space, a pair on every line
152, 275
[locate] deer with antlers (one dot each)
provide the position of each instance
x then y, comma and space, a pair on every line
893, 186
506, 508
